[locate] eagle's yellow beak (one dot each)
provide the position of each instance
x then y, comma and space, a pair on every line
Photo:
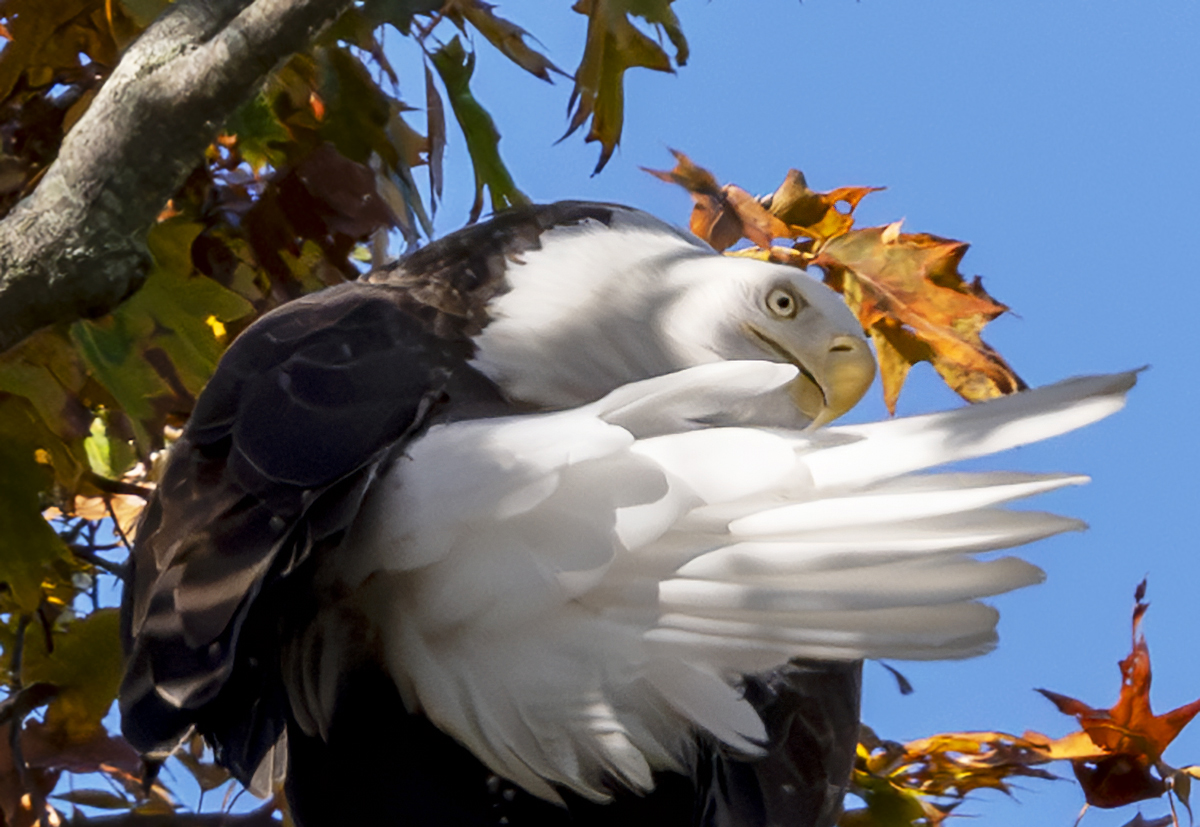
826, 390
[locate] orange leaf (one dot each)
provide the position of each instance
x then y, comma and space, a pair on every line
910, 297
812, 214
316, 105
1129, 736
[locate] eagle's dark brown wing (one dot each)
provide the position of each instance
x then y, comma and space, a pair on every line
274, 462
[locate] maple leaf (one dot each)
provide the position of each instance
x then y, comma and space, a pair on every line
1117, 748
613, 46
816, 215
907, 292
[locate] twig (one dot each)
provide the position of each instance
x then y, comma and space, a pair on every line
110, 486
84, 553
262, 817
117, 524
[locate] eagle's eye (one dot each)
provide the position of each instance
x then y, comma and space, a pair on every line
783, 303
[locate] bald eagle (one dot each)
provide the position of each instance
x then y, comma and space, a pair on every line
536, 527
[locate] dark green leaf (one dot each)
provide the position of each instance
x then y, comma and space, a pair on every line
85, 666
155, 352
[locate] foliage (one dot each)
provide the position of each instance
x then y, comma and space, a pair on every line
1116, 756
905, 288
300, 191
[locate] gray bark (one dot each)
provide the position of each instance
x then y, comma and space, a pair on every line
74, 248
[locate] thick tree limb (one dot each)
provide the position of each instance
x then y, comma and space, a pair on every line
74, 247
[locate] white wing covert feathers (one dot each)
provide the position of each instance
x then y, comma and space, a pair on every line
568, 594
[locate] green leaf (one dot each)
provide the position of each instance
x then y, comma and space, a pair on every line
47, 373
85, 666
28, 546
156, 351
357, 111
455, 66
261, 138
144, 12
108, 455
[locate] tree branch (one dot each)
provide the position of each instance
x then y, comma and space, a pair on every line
74, 248
262, 817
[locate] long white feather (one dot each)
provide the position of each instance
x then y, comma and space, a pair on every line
572, 594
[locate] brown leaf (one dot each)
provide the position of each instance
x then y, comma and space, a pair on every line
816, 215
909, 296
435, 127
1129, 737
613, 46
506, 36
721, 215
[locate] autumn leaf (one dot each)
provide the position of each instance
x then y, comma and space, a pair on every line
907, 292
435, 128
613, 46
905, 288
1127, 740
815, 215
724, 214
721, 214
505, 35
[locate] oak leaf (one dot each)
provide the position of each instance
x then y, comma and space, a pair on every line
1127, 740
613, 46
455, 66
505, 35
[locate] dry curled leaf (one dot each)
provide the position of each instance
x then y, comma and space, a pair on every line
904, 287
505, 35
724, 214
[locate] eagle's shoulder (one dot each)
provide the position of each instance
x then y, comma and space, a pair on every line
451, 280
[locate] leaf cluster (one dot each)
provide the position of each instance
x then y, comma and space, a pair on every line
1116, 756
905, 288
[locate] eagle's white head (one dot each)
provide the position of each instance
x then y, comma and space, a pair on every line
601, 305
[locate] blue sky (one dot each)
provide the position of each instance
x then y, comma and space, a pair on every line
1060, 139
